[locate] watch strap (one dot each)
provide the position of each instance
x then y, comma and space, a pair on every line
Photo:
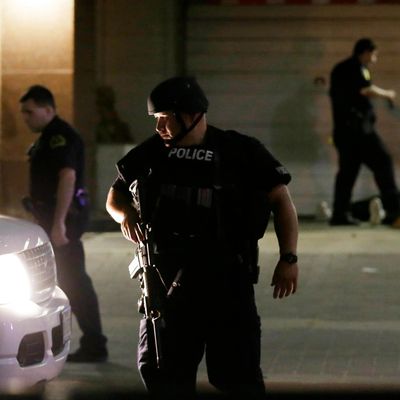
290, 258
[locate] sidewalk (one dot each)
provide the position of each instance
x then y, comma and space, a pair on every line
340, 331
342, 327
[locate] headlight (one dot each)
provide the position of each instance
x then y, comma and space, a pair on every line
14, 280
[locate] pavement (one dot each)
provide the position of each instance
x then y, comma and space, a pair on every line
340, 331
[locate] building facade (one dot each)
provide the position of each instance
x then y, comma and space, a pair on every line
264, 64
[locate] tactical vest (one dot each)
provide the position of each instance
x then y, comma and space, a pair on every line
181, 199
201, 194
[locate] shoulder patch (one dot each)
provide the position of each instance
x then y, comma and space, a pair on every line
57, 141
366, 74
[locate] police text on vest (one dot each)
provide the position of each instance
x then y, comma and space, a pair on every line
191, 154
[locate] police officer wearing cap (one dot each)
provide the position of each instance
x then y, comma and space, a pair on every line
209, 194
59, 202
355, 137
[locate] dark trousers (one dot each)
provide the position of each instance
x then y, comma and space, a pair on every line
370, 151
220, 322
74, 280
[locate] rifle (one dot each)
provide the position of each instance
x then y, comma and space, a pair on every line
152, 300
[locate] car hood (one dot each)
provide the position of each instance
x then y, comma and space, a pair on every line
17, 235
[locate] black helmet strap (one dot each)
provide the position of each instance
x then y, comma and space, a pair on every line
185, 130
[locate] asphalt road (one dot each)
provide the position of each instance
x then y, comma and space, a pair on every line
340, 331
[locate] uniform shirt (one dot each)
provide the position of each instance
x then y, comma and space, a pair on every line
352, 112
204, 193
59, 146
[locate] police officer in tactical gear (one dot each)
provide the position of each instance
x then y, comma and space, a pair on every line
208, 196
59, 202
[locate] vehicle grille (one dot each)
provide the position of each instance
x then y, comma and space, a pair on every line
41, 267
31, 350
57, 334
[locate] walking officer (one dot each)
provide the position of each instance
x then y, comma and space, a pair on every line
355, 137
208, 194
59, 202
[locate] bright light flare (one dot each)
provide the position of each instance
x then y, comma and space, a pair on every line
14, 280
35, 11
37, 35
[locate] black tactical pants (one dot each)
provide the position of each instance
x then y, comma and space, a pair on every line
219, 321
370, 151
74, 280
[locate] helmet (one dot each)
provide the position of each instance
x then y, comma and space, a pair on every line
179, 94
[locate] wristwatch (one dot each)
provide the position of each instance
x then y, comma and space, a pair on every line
290, 258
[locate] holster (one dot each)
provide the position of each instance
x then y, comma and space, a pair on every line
250, 259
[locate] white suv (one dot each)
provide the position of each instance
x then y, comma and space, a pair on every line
35, 314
